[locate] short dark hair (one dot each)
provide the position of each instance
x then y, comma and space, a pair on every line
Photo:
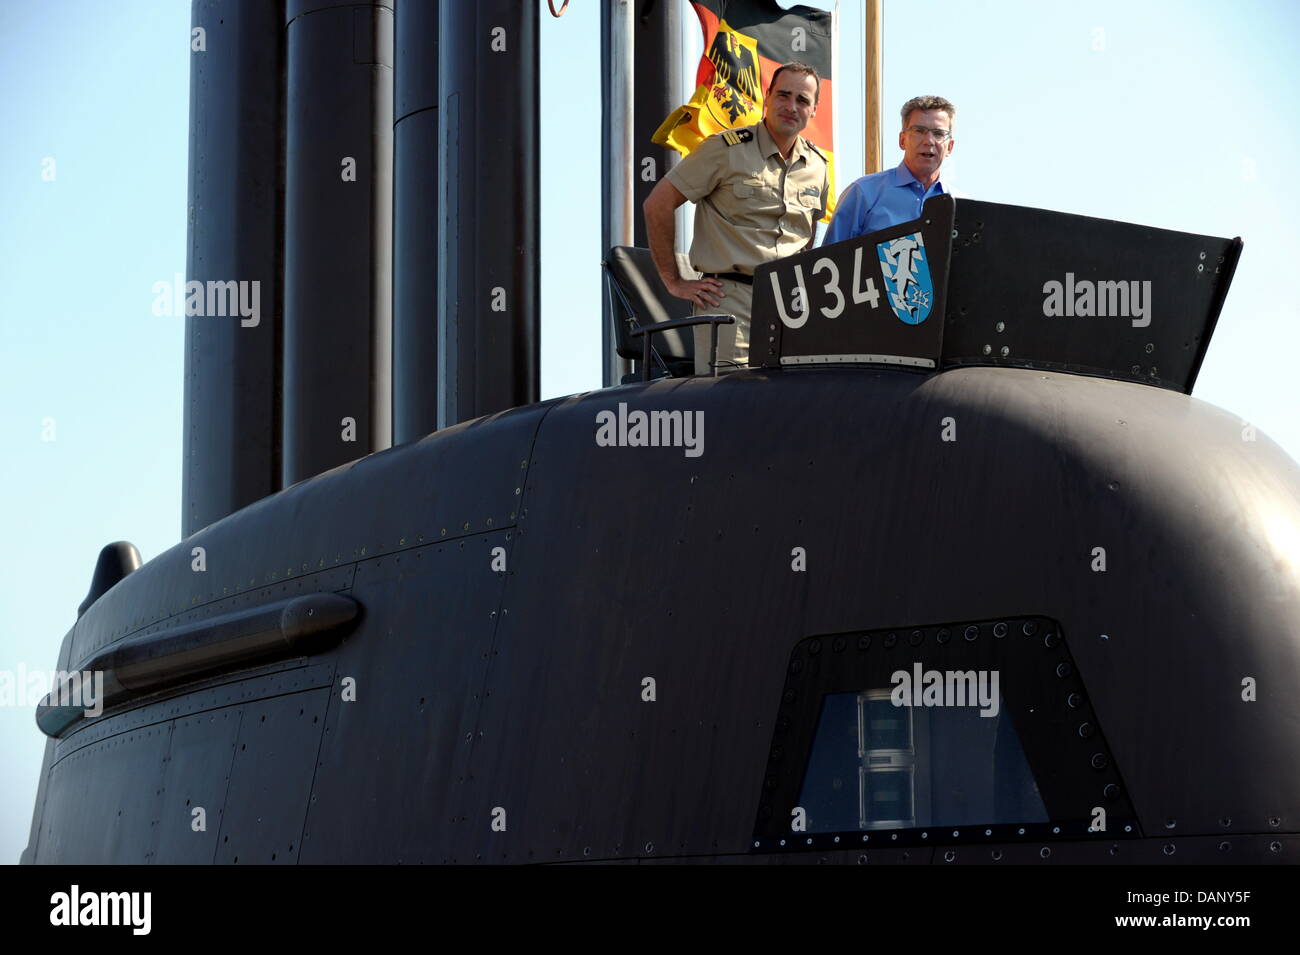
798, 68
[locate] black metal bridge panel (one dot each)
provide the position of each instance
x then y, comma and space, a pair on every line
1004, 310
394, 764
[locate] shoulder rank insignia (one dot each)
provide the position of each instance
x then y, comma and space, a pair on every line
734, 137
816, 150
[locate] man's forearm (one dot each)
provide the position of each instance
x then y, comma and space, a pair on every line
662, 232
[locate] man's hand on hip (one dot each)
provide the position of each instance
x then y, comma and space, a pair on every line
706, 292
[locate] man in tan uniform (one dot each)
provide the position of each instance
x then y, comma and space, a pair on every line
758, 193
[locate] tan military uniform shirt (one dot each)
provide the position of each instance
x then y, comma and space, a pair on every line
751, 206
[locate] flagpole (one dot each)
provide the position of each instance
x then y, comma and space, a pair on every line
619, 158
873, 153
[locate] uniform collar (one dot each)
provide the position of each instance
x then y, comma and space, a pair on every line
767, 145
903, 177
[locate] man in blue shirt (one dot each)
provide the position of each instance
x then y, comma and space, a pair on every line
896, 195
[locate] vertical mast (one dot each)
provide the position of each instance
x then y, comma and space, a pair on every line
488, 140
232, 364
873, 67
416, 174
641, 64
337, 234
617, 106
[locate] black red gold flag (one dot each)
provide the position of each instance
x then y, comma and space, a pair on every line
744, 43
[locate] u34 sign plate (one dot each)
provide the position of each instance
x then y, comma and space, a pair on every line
875, 299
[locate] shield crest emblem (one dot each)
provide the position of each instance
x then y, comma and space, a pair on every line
905, 269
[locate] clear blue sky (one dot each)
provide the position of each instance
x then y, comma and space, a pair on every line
1183, 119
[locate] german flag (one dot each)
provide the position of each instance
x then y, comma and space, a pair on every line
745, 41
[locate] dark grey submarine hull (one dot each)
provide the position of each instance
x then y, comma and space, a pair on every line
827, 532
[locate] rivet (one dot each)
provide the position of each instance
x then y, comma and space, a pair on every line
782, 842
838, 644
796, 666
925, 835
999, 630
1001, 326
1168, 849
1114, 849
1137, 369
1005, 351
815, 647
1063, 670
1225, 846
1202, 255
949, 855
1274, 821
988, 349
971, 633
996, 854
1020, 831
1171, 823
1099, 761
988, 832
1275, 846
915, 638
1150, 348
1073, 701
1200, 267
1056, 830
890, 640
864, 642
1045, 852
1051, 640
789, 696
943, 636
1085, 730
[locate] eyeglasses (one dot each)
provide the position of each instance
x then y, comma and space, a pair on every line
940, 135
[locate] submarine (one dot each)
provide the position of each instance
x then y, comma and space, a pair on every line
952, 573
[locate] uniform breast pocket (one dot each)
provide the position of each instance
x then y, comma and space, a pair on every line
742, 190
810, 202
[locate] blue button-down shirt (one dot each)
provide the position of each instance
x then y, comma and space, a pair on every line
878, 201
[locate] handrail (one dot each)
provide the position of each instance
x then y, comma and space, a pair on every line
712, 320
